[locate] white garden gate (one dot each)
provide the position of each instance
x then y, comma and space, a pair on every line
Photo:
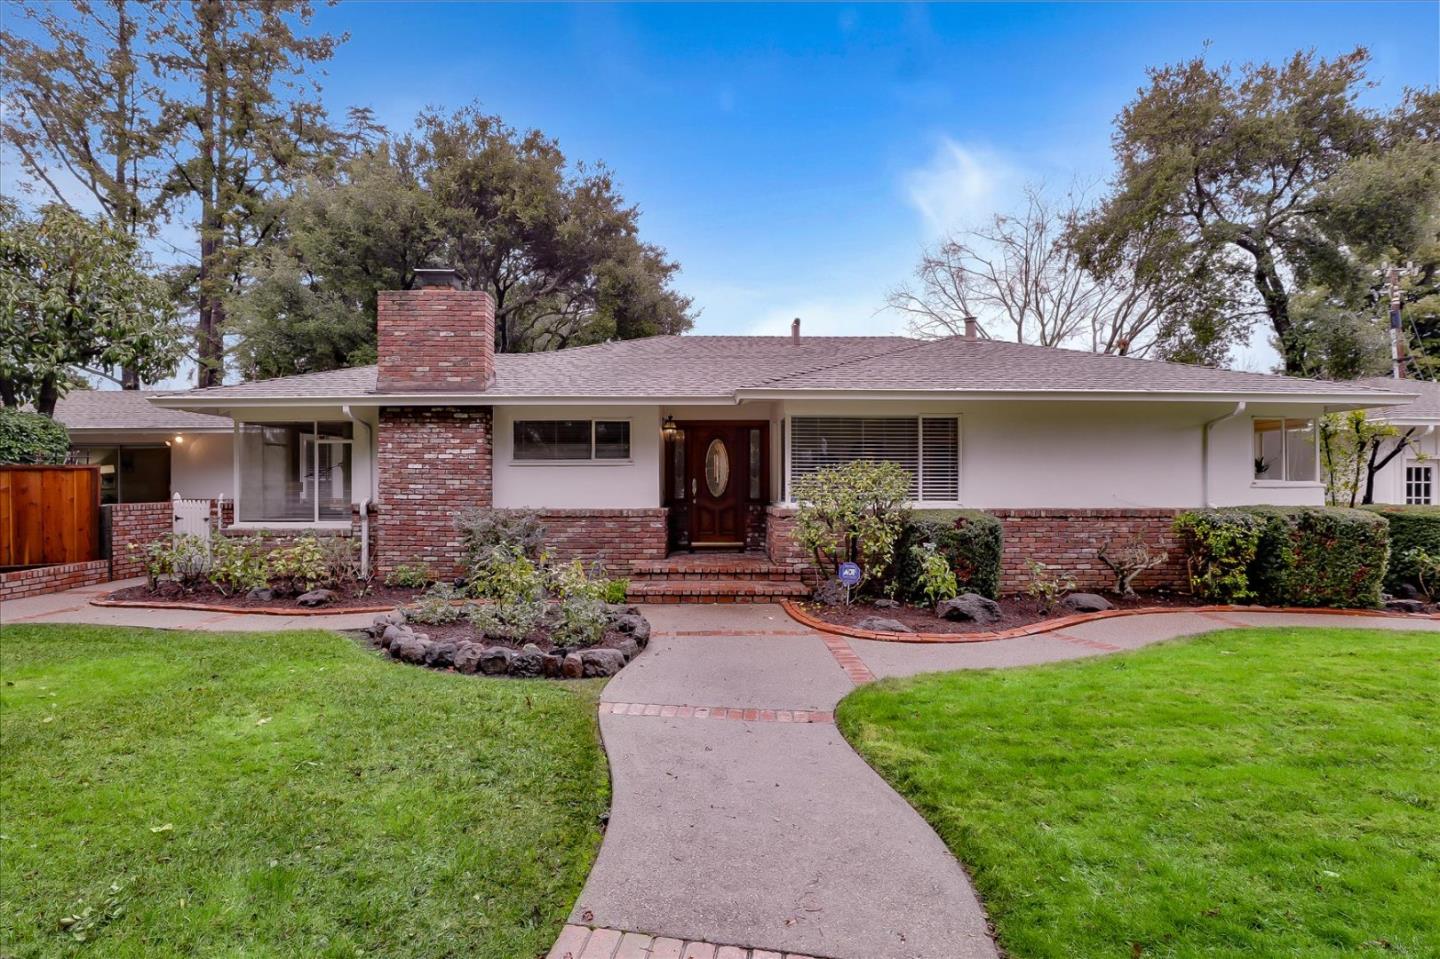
192, 516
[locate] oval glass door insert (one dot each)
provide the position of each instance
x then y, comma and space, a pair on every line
717, 467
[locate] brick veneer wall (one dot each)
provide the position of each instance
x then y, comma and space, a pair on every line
20, 583
611, 537
1070, 538
435, 340
780, 544
134, 526
433, 462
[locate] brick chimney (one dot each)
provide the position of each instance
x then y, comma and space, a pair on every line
436, 338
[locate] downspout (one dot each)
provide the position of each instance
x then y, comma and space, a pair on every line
1205, 451
364, 503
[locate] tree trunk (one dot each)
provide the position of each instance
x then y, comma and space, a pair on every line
209, 353
47, 397
1276, 299
126, 199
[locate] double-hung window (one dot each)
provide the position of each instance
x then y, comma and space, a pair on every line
571, 440
926, 447
1419, 484
1285, 451
294, 472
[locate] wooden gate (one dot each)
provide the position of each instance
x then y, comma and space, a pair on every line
49, 515
192, 517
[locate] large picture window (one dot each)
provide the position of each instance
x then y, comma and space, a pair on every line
571, 440
294, 472
1285, 451
128, 474
926, 447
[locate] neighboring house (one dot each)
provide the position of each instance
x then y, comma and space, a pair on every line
636, 449
1413, 477
147, 453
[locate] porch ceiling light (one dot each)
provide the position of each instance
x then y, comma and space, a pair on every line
669, 428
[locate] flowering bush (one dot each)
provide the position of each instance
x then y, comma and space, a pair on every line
853, 513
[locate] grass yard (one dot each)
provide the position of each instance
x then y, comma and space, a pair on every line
1256, 793
286, 794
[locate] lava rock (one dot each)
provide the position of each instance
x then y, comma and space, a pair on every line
261, 594
628, 648
572, 667
1406, 591
467, 657
550, 666
392, 634
1087, 603
601, 662
530, 661
495, 660
831, 592
880, 624
410, 648
1405, 606
969, 608
886, 604
441, 655
316, 597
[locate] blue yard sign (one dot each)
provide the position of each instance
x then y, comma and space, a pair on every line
850, 574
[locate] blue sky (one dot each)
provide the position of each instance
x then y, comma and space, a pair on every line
796, 159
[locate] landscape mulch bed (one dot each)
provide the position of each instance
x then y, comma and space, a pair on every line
463, 632
348, 600
1016, 611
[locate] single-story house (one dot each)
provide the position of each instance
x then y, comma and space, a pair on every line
1411, 477
633, 451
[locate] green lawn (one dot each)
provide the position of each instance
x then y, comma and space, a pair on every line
287, 794
1256, 793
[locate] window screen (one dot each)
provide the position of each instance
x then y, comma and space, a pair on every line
926, 448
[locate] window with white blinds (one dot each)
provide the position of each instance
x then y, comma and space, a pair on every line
928, 448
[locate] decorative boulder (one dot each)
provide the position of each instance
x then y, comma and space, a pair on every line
467, 657
572, 667
261, 594
391, 634
550, 666
831, 592
495, 660
879, 624
530, 661
628, 648
1406, 591
886, 604
633, 624
441, 655
410, 648
1405, 606
316, 597
1086, 603
601, 662
969, 608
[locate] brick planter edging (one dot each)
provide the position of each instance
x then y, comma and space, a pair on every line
238, 611
56, 578
1062, 622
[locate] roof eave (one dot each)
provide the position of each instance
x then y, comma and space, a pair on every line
201, 404
1345, 399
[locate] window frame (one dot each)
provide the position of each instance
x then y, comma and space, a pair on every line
313, 441
1428, 482
593, 460
787, 444
1258, 483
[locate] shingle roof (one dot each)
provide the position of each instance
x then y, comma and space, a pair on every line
709, 367
129, 410
1425, 406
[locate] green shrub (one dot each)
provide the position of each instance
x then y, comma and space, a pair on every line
569, 580
935, 580
580, 620
299, 567
617, 591
1319, 556
1426, 566
31, 438
180, 558
507, 576
513, 621
482, 530
1220, 547
436, 606
971, 541
1411, 528
1048, 585
238, 565
853, 513
409, 577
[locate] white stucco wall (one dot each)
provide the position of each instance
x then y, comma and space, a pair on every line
200, 466
1390, 481
600, 484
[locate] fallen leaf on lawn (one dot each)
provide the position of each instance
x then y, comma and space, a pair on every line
165, 828
263, 721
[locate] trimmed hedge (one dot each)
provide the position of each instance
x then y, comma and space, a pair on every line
31, 438
1304, 556
970, 539
1411, 527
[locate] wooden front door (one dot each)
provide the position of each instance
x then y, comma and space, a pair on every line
718, 467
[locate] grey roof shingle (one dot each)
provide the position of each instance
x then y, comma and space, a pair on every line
129, 410
709, 367
1425, 406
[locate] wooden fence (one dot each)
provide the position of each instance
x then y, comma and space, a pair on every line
49, 515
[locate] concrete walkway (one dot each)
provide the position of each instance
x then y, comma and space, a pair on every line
738, 825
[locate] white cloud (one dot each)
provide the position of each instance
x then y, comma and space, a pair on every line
961, 185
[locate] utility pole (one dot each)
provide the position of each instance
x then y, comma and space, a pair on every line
1397, 336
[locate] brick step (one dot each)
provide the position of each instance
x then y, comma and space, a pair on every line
691, 570
714, 591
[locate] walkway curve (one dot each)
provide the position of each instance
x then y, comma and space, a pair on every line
766, 835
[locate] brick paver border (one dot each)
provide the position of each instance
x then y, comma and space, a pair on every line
743, 713
853, 665
584, 942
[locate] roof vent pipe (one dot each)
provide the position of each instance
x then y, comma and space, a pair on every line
971, 328
795, 330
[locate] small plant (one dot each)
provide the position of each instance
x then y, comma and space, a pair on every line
483, 530
1425, 567
183, 559
299, 567
409, 577
507, 576
581, 619
617, 591
1047, 585
569, 581
238, 565
934, 578
1129, 561
852, 513
513, 621
1220, 547
341, 556
436, 606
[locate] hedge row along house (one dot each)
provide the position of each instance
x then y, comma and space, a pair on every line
672, 459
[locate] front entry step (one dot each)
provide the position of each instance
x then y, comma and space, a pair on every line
707, 567
714, 591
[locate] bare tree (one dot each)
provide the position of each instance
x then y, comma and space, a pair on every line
1019, 273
